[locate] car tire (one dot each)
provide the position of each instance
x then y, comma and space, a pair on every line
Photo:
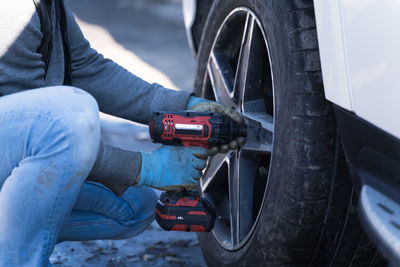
308, 214
202, 10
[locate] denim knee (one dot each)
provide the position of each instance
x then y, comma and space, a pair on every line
79, 113
143, 201
83, 125
74, 110
99, 214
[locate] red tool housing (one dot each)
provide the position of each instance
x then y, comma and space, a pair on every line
189, 128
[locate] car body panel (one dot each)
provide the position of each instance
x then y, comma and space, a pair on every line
360, 58
332, 52
373, 56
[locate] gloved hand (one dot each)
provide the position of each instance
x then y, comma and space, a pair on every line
205, 105
172, 168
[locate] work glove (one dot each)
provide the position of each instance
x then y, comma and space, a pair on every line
205, 105
173, 168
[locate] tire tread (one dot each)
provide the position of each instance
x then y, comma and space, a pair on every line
303, 45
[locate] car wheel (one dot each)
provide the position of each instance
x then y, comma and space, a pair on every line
284, 198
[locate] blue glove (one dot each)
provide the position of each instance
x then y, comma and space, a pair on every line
205, 105
172, 168
196, 100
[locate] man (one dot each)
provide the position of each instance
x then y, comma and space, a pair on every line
50, 139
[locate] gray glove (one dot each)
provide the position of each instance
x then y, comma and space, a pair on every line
204, 105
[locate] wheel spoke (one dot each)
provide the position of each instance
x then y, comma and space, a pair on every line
242, 172
260, 129
244, 57
221, 77
247, 174
266, 121
213, 173
234, 198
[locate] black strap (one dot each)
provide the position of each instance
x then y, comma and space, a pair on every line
62, 21
43, 8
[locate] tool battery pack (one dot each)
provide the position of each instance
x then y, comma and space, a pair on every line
185, 211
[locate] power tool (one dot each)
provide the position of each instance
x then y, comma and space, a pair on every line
186, 210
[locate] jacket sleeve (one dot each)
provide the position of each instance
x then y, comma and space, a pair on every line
117, 91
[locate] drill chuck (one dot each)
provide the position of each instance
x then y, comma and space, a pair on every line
225, 130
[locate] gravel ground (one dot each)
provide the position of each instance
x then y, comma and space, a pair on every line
154, 247
148, 39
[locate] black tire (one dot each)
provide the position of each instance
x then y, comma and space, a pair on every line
202, 10
309, 216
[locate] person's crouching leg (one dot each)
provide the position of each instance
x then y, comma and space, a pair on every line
100, 214
49, 139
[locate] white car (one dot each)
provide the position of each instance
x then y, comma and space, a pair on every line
317, 82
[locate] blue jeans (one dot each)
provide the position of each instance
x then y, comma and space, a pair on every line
49, 139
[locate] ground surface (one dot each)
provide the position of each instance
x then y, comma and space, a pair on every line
147, 38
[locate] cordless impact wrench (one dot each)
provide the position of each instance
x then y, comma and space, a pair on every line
186, 210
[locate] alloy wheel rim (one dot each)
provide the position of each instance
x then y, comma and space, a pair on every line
239, 74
